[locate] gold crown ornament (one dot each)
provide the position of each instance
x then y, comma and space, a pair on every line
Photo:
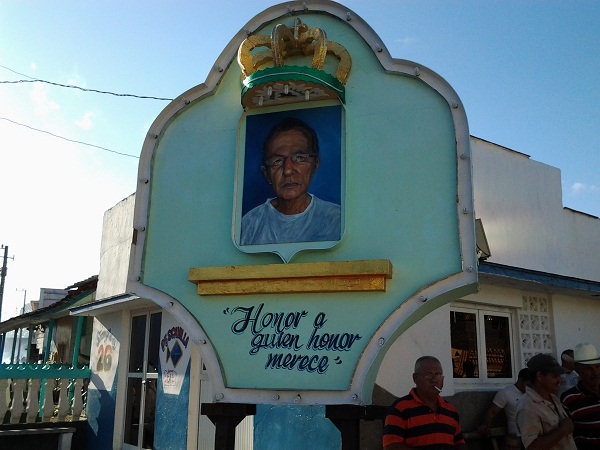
267, 81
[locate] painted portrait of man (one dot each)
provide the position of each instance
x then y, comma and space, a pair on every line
292, 178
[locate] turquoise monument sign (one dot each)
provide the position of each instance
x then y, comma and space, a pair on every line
304, 206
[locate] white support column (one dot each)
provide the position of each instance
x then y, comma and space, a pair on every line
33, 400
4, 396
17, 407
77, 399
63, 399
48, 406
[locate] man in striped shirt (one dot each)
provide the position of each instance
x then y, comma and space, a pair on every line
423, 419
582, 402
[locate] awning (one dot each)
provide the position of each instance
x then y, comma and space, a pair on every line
120, 302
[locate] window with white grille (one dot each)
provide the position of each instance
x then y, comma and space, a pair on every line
482, 344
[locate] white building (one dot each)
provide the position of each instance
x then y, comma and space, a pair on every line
543, 274
539, 289
539, 292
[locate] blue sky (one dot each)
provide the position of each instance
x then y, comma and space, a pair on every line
526, 71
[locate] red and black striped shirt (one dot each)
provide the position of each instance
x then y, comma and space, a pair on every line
411, 422
584, 409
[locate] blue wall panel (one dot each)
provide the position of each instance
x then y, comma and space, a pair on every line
100, 415
170, 429
292, 427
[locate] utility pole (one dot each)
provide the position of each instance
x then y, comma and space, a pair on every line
3, 276
24, 299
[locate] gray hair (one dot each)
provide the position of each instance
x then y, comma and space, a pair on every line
290, 124
424, 359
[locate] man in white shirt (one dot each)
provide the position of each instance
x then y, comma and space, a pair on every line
507, 399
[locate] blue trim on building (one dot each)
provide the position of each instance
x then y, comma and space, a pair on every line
541, 278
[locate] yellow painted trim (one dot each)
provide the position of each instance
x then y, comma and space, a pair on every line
344, 276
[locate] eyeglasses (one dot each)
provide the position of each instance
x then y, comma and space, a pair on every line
430, 376
296, 158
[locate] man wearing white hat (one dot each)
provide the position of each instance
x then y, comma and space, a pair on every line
582, 402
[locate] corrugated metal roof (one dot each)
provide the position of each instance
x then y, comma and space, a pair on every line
80, 292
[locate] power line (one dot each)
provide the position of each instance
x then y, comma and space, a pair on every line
35, 80
70, 86
67, 139
14, 71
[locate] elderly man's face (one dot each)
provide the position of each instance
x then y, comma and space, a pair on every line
589, 374
291, 180
429, 376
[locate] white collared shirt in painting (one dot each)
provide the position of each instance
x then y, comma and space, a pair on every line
321, 221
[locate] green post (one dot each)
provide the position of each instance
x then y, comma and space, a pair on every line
77, 345
48, 338
45, 356
75, 358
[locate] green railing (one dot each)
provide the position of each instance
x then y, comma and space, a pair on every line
31, 390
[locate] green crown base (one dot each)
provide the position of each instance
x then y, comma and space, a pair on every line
289, 84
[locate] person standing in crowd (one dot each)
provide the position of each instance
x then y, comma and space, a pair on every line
507, 399
423, 419
582, 402
542, 421
570, 378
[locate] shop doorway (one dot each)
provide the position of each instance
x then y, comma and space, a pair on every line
142, 379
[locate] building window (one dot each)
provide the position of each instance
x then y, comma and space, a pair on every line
481, 344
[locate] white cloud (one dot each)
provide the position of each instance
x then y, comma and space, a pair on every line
405, 41
76, 79
582, 188
41, 103
86, 121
